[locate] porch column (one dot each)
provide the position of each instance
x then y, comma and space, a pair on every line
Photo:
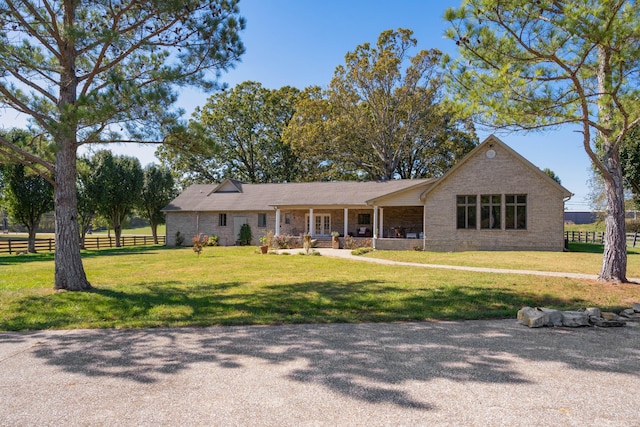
381, 222
311, 222
424, 226
375, 226
277, 230
346, 222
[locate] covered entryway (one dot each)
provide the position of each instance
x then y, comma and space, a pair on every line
321, 224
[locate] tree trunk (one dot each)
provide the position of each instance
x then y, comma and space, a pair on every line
31, 243
117, 231
614, 262
154, 232
69, 271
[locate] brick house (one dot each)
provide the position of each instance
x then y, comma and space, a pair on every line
493, 199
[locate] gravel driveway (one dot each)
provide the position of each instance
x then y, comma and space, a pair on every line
475, 373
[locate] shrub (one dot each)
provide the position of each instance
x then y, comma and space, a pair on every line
350, 242
361, 251
179, 239
213, 240
285, 242
199, 242
245, 236
306, 242
633, 226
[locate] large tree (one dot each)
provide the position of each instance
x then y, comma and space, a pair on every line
28, 196
116, 187
545, 63
383, 115
237, 134
102, 71
158, 189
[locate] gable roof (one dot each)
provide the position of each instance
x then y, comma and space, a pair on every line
237, 196
492, 139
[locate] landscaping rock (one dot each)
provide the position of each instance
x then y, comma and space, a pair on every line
603, 323
593, 311
555, 316
628, 313
575, 319
592, 316
607, 315
533, 317
636, 307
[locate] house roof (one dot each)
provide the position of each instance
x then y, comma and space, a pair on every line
233, 195
492, 139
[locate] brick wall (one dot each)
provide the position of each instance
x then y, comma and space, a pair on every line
502, 174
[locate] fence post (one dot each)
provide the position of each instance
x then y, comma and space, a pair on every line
9, 246
635, 238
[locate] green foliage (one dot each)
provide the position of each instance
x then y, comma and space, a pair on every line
213, 240
237, 134
158, 189
267, 239
533, 65
361, 251
630, 159
27, 198
245, 235
383, 116
551, 174
103, 72
179, 238
115, 186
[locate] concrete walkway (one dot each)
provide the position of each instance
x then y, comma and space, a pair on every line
478, 373
346, 254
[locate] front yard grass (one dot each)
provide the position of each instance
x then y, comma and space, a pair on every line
157, 286
582, 258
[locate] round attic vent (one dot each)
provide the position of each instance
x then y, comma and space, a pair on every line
491, 154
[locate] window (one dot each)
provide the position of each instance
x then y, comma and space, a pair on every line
262, 220
287, 218
466, 212
516, 212
364, 218
490, 207
222, 220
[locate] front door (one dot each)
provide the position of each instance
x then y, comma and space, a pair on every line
321, 224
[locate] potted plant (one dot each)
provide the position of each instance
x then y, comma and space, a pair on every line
265, 242
335, 240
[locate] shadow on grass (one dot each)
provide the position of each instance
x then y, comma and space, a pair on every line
175, 303
6, 259
594, 248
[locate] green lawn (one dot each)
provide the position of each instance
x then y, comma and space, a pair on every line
157, 286
582, 258
596, 226
140, 231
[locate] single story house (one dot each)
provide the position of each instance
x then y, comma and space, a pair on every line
493, 199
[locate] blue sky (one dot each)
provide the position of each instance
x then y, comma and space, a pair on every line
300, 42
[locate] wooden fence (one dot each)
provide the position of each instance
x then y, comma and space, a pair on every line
633, 239
17, 245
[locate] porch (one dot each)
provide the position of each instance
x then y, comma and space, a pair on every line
382, 223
